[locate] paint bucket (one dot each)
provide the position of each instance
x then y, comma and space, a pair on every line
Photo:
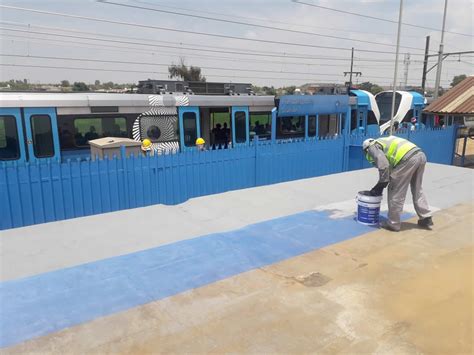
368, 208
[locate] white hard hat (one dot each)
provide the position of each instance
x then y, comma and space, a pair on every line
367, 143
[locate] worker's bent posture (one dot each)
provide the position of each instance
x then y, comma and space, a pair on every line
400, 163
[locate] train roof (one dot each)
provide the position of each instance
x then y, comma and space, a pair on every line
15, 99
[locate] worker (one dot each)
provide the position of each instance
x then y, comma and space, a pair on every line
200, 144
400, 163
146, 146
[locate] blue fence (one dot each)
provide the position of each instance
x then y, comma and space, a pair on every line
38, 193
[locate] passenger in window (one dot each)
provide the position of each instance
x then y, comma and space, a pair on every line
217, 136
268, 129
413, 124
226, 135
79, 138
91, 135
259, 130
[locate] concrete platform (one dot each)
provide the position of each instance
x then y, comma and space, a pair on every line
281, 268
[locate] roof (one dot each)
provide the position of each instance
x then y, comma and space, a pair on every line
458, 100
15, 99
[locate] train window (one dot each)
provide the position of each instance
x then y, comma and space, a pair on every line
9, 144
160, 129
311, 126
408, 116
87, 129
354, 119
328, 125
290, 127
240, 127
190, 129
371, 119
384, 102
43, 145
261, 124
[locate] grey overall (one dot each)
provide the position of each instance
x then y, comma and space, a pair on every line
409, 171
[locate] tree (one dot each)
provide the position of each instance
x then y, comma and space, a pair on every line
289, 90
108, 85
185, 73
269, 90
65, 83
97, 83
457, 79
368, 86
80, 86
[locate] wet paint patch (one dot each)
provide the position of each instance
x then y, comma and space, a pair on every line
49, 302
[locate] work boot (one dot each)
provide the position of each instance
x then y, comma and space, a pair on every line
387, 226
425, 222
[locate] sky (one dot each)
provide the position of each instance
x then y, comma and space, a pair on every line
139, 43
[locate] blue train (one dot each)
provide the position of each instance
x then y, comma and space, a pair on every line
40, 127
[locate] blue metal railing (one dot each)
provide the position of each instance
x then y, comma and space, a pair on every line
39, 193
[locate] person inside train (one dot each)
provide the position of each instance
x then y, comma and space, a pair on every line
217, 136
226, 135
91, 135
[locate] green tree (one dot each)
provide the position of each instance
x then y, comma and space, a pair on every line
182, 71
65, 83
269, 90
108, 85
457, 79
370, 87
289, 90
80, 86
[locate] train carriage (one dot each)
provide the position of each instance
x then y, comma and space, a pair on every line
408, 105
37, 127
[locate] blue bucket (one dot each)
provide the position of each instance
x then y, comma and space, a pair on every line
368, 208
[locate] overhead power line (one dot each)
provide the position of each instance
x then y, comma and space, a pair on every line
142, 71
162, 53
377, 18
168, 64
150, 42
95, 19
236, 52
252, 24
272, 20
159, 64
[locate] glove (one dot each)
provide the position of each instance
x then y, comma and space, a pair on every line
378, 189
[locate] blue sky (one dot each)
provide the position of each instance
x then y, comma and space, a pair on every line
270, 67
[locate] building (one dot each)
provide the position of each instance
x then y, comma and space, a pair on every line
323, 89
456, 106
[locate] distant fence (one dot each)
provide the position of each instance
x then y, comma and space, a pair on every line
38, 193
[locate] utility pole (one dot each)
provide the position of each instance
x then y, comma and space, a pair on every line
357, 73
396, 67
406, 61
425, 64
440, 53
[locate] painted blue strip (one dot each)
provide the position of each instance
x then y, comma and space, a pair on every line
46, 303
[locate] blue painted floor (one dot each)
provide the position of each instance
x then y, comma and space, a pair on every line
49, 302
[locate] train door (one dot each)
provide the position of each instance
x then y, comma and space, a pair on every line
359, 119
42, 134
12, 146
240, 125
189, 127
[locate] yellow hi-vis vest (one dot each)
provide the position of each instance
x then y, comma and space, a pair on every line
394, 148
